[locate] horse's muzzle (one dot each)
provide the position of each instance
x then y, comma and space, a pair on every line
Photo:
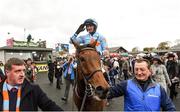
101, 92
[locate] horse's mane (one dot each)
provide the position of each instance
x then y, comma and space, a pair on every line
85, 47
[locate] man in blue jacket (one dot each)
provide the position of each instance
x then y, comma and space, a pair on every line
91, 27
141, 93
69, 75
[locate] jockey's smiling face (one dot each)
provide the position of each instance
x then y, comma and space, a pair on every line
90, 28
142, 71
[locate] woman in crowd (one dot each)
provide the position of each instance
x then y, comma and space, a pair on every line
159, 73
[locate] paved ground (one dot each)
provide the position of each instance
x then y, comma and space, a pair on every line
115, 105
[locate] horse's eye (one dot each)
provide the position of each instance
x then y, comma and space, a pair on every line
82, 59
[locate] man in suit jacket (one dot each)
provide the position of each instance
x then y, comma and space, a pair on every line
17, 94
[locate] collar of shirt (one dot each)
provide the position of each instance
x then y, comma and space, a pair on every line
9, 87
94, 35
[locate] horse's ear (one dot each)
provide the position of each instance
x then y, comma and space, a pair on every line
75, 43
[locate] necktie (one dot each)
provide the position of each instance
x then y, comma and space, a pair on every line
14, 90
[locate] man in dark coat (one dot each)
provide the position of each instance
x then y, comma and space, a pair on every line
172, 69
17, 94
1, 75
51, 68
58, 73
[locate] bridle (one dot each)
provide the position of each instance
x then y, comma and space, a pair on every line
89, 90
87, 77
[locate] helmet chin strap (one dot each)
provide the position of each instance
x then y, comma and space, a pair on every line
92, 33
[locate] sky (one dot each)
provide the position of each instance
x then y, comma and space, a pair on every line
126, 23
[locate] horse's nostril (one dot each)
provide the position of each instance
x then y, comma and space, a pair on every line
106, 90
99, 88
101, 92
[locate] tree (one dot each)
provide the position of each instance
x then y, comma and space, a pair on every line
136, 49
177, 41
149, 49
164, 45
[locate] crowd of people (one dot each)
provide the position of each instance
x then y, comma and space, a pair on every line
118, 71
164, 70
143, 80
62, 68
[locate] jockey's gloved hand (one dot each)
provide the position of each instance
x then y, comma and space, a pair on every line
80, 29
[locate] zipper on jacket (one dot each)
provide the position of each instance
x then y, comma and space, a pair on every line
143, 97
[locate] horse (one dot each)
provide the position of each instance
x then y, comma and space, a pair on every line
90, 89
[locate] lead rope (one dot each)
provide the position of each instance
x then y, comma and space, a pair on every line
85, 95
75, 83
83, 102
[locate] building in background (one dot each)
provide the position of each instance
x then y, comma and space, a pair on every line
24, 50
116, 51
61, 50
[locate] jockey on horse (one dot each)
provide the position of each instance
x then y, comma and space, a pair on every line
88, 39
91, 27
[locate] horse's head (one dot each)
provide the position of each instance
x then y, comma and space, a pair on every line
89, 71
